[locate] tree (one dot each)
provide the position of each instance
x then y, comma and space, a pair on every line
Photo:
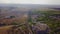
12, 16
52, 23
14, 23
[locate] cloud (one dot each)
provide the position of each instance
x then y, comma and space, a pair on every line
31, 1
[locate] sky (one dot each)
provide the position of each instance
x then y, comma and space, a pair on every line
56, 2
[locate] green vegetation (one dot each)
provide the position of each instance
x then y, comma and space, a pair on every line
14, 23
52, 23
12, 16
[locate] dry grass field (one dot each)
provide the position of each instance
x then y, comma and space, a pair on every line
4, 29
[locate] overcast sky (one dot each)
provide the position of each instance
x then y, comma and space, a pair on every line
57, 2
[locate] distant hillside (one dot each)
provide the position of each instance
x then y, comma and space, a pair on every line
19, 9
